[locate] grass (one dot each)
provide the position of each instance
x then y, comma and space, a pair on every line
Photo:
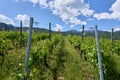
10, 67
76, 68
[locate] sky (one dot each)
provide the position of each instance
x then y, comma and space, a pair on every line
62, 14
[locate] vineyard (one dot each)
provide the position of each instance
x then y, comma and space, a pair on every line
57, 57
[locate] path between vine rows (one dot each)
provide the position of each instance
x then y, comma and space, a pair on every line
75, 68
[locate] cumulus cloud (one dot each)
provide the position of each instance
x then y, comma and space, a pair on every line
115, 12
91, 19
5, 19
24, 18
42, 3
34, 1
58, 27
117, 28
76, 21
67, 10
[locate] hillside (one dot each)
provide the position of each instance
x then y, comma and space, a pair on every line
4, 26
103, 34
7, 27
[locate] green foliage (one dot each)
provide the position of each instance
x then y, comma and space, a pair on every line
61, 56
107, 50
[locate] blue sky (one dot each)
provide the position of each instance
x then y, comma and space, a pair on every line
63, 14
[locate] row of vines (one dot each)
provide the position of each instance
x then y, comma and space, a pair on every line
109, 52
44, 50
12, 55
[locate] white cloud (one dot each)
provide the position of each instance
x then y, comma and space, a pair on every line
16, 0
72, 26
91, 19
103, 15
58, 27
66, 9
34, 1
42, 3
76, 21
117, 28
69, 10
5, 19
116, 6
24, 18
115, 12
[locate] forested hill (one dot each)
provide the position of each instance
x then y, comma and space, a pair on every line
4, 26
7, 27
104, 34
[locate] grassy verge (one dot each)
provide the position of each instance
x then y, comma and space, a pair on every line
76, 68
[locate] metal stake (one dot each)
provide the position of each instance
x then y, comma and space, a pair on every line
99, 54
28, 47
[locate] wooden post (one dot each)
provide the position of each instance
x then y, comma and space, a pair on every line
20, 33
50, 31
82, 41
99, 54
50, 50
83, 33
28, 48
112, 36
112, 39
